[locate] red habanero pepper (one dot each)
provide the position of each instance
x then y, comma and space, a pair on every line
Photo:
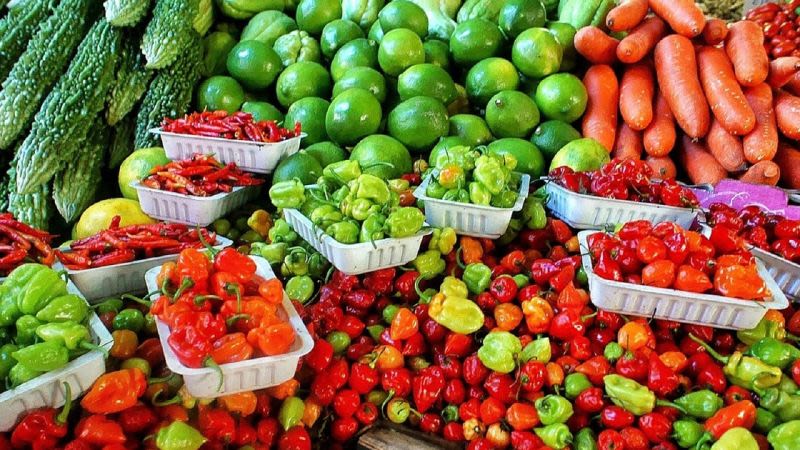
474, 371
231, 348
115, 391
616, 417
42, 428
398, 380
380, 281
661, 379
513, 261
739, 414
655, 426
216, 424
231, 261
610, 440
190, 346
428, 386
595, 368
590, 401
458, 344
99, 430
226, 286
607, 268
205, 324
504, 289
736, 394
137, 418
192, 270
404, 285
320, 356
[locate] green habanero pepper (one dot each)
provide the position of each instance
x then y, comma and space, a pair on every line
281, 231
108, 305
7, 362
273, 253
339, 340
398, 410
453, 287
575, 383
15, 285
553, 409
20, 374
490, 172
251, 236
556, 436
457, 314
452, 176
613, 351
477, 276
345, 232
511, 233
68, 307
287, 194
399, 185
291, 412
505, 199
774, 352
375, 331
45, 285
736, 439
460, 155
296, 261
537, 350
71, 335
632, 396
324, 216
435, 190
129, 319
372, 188
314, 199
785, 436
42, 357
26, 329
260, 221
456, 195
783, 404
478, 194
389, 312
687, 432
744, 371
340, 194
700, 404
788, 385
429, 264
765, 328
450, 413
499, 351
361, 208
585, 439
765, 421
372, 228
533, 213
521, 280
300, 288
179, 436
404, 222
343, 171
317, 265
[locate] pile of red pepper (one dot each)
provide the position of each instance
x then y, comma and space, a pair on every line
201, 176
20, 243
780, 22
625, 180
239, 126
771, 232
118, 245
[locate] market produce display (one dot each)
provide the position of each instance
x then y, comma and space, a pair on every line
201, 176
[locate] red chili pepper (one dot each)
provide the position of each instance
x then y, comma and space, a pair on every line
595, 368
501, 387
346, 403
590, 401
367, 413
458, 344
231, 261
739, 414
320, 356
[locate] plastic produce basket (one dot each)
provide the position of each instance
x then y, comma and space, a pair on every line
48, 390
252, 374
687, 307
355, 259
190, 209
590, 212
101, 282
258, 157
469, 219
785, 273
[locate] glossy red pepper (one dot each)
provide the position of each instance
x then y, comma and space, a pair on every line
428, 386
42, 428
99, 430
661, 379
399, 381
217, 424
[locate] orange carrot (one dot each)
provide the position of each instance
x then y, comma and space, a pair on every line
764, 172
726, 148
723, 91
600, 118
659, 137
683, 16
636, 96
782, 70
715, 31
596, 46
639, 42
745, 48
761, 143
793, 86
787, 112
663, 167
788, 158
626, 15
699, 164
628, 144
676, 69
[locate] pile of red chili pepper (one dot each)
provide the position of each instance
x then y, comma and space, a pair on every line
220, 311
771, 232
118, 245
668, 256
239, 126
780, 22
201, 176
20, 243
625, 180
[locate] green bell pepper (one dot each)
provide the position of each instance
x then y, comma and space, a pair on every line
326, 215
273, 253
736, 439
765, 329
300, 288
533, 213
585, 439
456, 195
435, 190
129, 319
499, 351
477, 276
71, 335
346, 232
687, 432
453, 287
537, 350
7, 362
281, 231
61, 309
556, 436
457, 314
700, 404
613, 351
343, 171
20, 374
179, 436
287, 194
42, 357
478, 194
785, 436
404, 222
26, 329
429, 264
553, 409
372, 188
783, 404
490, 172
575, 383
765, 421
774, 352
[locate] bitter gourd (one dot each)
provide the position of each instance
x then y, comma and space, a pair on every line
130, 84
39, 66
16, 29
122, 142
205, 17
35, 208
169, 32
170, 93
67, 112
75, 186
125, 13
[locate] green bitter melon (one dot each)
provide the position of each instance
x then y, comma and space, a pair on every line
130, 84
122, 142
16, 29
170, 31
125, 13
35, 208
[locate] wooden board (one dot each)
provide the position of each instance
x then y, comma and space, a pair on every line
389, 436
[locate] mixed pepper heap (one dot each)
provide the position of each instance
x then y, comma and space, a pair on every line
20, 243
117, 244
239, 126
463, 175
201, 176
668, 256
771, 232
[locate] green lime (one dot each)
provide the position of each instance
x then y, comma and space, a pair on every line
262, 111
551, 135
437, 52
267, 26
418, 123
511, 114
400, 49
313, 15
517, 16
561, 96
529, 158
444, 145
581, 155
364, 78
536, 53
300, 80
356, 53
137, 166
310, 112
473, 129
336, 34
565, 33
300, 165
297, 46
427, 80
326, 153
404, 14
254, 64
375, 32
474, 40
380, 148
352, 115
488, 77
220, 92
216, 47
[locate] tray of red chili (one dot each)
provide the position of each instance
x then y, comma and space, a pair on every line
21, 243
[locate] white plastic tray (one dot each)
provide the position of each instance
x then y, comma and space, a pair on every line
785, 273
48, 390
687, 307
99, 283
240, 376
468, 219
355, 259
590, 212
190, 209
258, 157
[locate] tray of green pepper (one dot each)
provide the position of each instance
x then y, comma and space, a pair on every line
49, 337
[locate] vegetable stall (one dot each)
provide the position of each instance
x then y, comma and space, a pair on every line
481, 224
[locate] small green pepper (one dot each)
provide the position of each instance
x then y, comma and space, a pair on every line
460, 155
9, 312
260, 222
687, 432
435, 190
788, 385
296, 261
339, 340
499, 351
273, 253
556, 436
108, 305
375, 331
553, 409
429, 264
456, 314
377, 397
585, 439
345, 232
450, 413
765, 328
45, 285
505, 199
785, 436
291, 412
537, 350
456, 195
361, 208
20, 374
700, 404
630, 395
372, 188
398, 410
42, 357
744, 371
404, 222
317, 265
6, 360
324, 216
287, 194
453, 287
478, 194
399, 185
300, 288
774, 352
26, 329
372, 228
179, 436
389, 312
575, 383
736, 439
765, 421
340, 194
129, 319
443, 240
137, 363
251, 236
221, 226
67, 307
490, 172
477, 276
281, 231
783, 404
71, 335
533, 213
613, 351
343, 171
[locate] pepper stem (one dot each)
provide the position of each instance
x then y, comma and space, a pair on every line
670, 404
418, 290
211, 250
386, 401
91, 346
211, 364
187, 283
719, 357
62, 417
459, 261
230, 321
791, 337
156, 402
200, 299
136, 299
161, 379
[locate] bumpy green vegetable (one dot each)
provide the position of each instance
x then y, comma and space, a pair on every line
35, 209
125, 13
479, 9
39, 67
170, 32
74, 188
122, 141
16, 29
130, 84
170, 92
205, 17
67, 113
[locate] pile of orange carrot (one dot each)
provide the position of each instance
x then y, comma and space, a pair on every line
680, 88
